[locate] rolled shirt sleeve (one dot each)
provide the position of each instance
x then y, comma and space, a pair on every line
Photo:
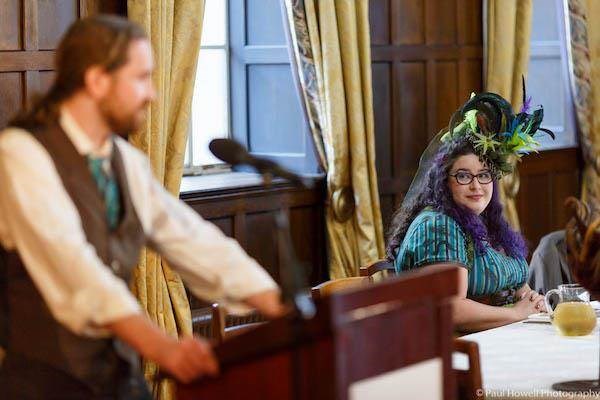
214, 266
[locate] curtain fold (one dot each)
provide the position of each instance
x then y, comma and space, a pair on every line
330, 43
174, 28
508, 33
584, 43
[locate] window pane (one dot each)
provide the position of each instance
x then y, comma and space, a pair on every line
275, 119
209, 104
264, 23
214, 23
545, 22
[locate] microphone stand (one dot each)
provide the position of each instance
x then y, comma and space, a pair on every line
293, 284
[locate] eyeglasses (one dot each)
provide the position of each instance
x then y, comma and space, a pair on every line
465, 178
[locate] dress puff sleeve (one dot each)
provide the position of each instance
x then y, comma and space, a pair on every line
432, 238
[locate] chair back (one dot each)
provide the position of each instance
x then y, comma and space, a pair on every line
469, 382
202, 322
384, 266
336, 285
226, 325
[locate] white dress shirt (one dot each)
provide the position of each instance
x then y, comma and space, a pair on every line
40, 221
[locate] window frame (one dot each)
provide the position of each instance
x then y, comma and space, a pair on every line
240, 56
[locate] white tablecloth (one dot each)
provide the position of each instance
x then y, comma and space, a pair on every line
523, 360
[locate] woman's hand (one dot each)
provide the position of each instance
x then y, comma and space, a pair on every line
530, 303
538, 300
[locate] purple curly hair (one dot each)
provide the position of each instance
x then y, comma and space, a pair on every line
490, 226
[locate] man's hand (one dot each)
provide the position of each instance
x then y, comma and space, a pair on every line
268, 303
188, 359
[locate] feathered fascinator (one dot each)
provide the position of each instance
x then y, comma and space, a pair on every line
488, 122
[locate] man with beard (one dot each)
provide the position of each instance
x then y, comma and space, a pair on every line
77, 204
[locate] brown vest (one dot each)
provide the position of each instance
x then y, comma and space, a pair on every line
29, 331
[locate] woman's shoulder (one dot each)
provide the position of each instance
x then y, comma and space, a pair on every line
433, 237
429, 216
437, 224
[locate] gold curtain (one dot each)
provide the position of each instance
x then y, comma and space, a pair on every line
174, 28
508, 32
332, 59
584, 21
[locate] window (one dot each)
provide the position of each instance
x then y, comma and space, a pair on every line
548, 80
245, 89
210, 102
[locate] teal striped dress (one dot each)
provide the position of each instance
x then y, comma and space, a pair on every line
434, 237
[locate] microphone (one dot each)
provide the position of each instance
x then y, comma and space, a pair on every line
293, 281
234, 153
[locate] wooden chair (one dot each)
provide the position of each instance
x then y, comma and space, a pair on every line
468, 381
336, 285
226, 325
202, 322
321, 357
383, 266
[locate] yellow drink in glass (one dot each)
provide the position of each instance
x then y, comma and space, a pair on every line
574, 318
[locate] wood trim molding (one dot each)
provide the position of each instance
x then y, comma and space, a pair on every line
18, 61
425, 52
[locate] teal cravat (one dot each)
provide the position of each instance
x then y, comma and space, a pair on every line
109, 189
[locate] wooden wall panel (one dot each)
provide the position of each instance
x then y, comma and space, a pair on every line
247, 214
440, 22
308, 233
409, 129
29, 34
382, 109
446, 93
535, 186
470, 26
10, 32
380, 32
54, 17
225, 224
11, 87
262, 241
547, 179
46, 78
407, 22
434, 51
470, 75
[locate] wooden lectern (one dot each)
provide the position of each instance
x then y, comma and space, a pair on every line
355, 335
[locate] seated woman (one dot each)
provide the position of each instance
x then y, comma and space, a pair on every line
452, 213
